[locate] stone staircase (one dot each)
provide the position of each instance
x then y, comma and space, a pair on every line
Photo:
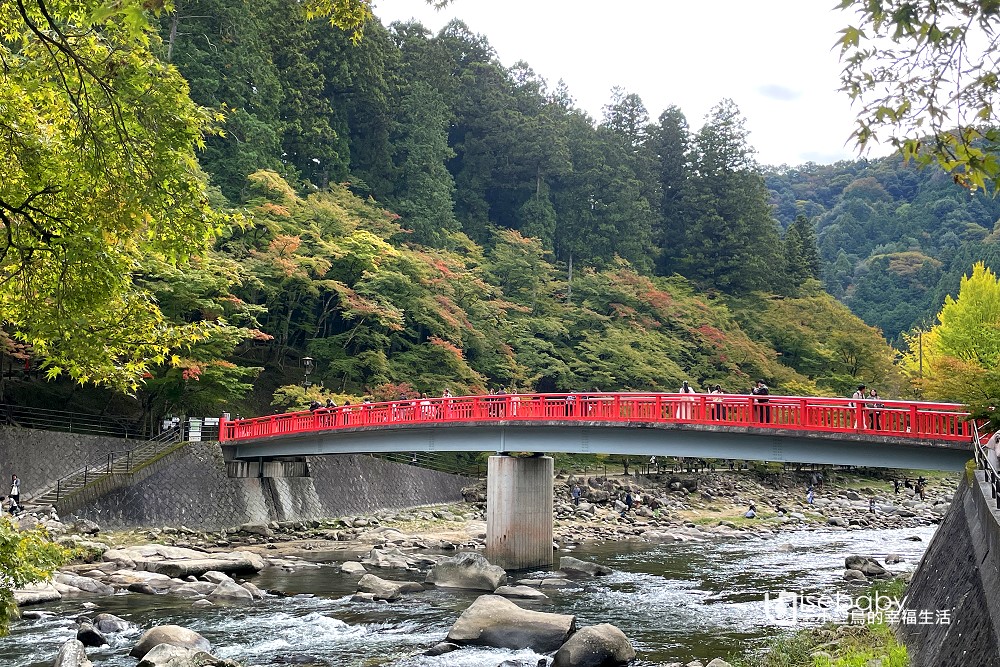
67, 493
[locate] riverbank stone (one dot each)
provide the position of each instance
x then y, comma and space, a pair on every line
180, 562
174, 635
230, 592
601, 645
496, 621
379, 588
467, 570
36, 594
72, 654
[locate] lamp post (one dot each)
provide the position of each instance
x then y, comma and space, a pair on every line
307, 367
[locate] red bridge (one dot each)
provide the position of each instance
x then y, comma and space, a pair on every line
899, 420
893, 434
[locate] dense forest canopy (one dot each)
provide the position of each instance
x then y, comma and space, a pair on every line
414, 215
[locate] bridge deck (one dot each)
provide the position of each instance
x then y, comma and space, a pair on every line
890, 422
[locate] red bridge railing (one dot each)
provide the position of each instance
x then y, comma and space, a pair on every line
903, 419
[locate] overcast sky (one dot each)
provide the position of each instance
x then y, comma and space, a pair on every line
774, 58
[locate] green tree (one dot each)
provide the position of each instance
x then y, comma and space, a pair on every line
801, 255
732, 241
26, 557
425, 187
961, 353
670, 141
100, 172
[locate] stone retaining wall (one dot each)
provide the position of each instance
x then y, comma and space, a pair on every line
960, 572
39, 458
191, 487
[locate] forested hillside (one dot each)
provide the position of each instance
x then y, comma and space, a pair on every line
894, 239
414, 215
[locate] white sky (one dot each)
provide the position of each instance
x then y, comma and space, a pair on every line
774, 58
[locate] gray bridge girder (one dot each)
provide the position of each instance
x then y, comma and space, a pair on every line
716, 442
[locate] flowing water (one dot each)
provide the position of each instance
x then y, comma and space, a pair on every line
676, 601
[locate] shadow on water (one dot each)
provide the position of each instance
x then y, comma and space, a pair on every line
676, 601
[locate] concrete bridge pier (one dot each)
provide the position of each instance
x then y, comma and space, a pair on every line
519, 512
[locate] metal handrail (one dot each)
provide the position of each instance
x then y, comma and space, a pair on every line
106, 465
900, 419
70, 422
983, 462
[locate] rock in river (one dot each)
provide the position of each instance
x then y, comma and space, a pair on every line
174, 635
467, 570
595, 646
72, 654
495, 621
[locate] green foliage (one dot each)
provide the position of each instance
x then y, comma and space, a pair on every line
99, 138
961, 354
26, 557
926, 68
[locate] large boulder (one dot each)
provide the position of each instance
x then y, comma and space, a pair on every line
230, 591
467, 570
165, 655
379, 588
574, 567
174, 635
523, 592
179, 562
110, 623
36, 594
495, 621
595, 646
72, 654
867, 565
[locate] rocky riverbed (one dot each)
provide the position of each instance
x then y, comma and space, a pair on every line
210, 568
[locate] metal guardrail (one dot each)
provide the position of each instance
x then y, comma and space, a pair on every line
71, 422
114, 463
982, 448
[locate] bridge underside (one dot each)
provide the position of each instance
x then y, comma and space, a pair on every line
718, 442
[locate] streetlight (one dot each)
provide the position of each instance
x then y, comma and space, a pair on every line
307, 367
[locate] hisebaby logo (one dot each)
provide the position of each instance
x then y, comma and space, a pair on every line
791, 608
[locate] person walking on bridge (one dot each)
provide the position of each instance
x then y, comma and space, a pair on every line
686, 404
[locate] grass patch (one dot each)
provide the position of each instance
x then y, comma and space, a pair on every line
836, 645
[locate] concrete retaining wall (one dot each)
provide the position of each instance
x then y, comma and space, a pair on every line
39, 458
191, 487
960, 572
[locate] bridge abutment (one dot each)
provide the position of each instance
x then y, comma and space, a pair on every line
519, 511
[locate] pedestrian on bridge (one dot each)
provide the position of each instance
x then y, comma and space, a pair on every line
761, 407
685, 408
858, 396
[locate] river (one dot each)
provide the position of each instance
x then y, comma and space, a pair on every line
676, 601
